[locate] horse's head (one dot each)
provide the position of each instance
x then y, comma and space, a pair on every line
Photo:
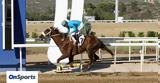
49, 32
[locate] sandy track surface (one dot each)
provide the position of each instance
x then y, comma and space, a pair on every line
96, 78
107, 29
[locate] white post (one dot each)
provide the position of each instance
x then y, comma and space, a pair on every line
142, 57
12, 27
99, 52
157, 52
129, 52
3, 23
81, 63
20, 58
145, 48
116, 11
115, 55
158, 49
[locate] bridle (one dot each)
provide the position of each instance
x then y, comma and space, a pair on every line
49, 33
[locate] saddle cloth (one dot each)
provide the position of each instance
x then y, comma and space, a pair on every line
81, 40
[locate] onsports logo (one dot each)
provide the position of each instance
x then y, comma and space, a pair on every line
21, 77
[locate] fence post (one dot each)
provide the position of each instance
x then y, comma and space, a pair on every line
81, 63
129, 52
145, 48
115, 55
142, 57
20, 58
157, 51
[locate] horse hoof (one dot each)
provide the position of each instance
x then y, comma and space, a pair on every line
71, 65
59, 69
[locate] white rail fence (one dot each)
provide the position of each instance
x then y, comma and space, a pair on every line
143, 44
144, 40
96, 21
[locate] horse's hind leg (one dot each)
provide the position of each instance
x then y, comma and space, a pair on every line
91, 60
61, 58
96, 57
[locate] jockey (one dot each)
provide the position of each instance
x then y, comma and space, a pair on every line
73, 29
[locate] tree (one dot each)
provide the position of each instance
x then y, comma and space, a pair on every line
159, 35
89, 7
105, 11
131, 34
122, 34
34, 35
98, 13
141, 34
151, 34
107, 7
122, 9
134, 6
27, 35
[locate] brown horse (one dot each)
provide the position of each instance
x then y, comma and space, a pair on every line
91, 44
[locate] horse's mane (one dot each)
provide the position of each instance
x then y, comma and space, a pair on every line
56, 29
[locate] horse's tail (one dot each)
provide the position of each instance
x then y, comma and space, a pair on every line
103, 47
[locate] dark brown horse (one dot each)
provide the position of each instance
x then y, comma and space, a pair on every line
91, 44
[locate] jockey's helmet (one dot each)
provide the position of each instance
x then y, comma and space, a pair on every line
64, 22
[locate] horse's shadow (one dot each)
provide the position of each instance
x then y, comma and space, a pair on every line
96, 67
46, 67
99, 66
40, 66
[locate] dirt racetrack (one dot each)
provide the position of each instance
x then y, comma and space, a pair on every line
112, 29
106, 29
96, 78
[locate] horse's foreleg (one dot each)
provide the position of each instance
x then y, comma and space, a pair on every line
61, 58
70, 61
96, 57
91, 59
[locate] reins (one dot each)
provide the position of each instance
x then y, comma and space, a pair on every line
49, 34
54, 35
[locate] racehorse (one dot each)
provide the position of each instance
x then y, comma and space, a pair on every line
91, 44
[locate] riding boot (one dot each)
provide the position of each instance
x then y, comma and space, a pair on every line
76, 38
76, 42
63, 37
73, 39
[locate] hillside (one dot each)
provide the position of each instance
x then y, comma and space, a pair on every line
101, 9
43, 5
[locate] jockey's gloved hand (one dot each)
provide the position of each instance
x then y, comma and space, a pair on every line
66, 34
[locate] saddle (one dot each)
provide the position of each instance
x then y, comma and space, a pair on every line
79, 39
